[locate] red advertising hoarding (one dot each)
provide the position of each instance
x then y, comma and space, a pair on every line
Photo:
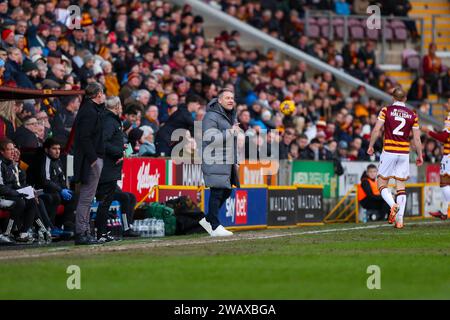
139, 175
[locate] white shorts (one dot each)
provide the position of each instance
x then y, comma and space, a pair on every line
394, 165
445, 166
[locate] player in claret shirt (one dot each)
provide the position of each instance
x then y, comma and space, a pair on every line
444, 137
398, 122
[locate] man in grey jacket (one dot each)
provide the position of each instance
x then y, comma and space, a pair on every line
219, 155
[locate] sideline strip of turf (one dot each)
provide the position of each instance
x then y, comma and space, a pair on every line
192, 240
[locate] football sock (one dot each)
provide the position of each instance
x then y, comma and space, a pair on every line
446, 194
401, 201
387, 196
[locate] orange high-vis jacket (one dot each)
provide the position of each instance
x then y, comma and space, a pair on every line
373, 185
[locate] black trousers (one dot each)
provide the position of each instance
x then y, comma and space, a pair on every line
22, 213
105, 195
378, 205
43, 214
127, 202
52, 201
217, 198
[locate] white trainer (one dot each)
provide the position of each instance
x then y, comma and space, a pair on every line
221, 232
206, 225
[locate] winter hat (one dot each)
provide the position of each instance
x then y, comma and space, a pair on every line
29, 65
6, 33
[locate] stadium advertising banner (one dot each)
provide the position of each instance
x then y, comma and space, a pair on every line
353, 171
249, 173
316, 173
432, 172
257, 173
246, 207
166, 193
187, 174
309, 205
282, 206
414, 202
139, 175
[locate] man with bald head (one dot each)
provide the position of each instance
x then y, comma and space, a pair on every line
58, 71
398, 122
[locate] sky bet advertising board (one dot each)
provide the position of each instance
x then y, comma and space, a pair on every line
245, 207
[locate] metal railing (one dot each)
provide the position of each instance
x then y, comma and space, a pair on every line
330, 15
434, 22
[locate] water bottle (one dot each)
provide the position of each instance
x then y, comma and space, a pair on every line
154, 228
137, 226
150, 227
142, 228
163, 228
161, 231
365, 216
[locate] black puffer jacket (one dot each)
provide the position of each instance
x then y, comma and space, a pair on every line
11, 178
114, 140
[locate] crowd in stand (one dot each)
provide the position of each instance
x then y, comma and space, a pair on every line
155, 57
285, 19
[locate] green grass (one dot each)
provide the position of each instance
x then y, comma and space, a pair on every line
414, 262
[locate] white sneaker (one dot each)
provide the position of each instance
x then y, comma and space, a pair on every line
206, 225
221, 232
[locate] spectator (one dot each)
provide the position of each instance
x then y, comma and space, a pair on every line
180, 119
418, 90
284, 146
14, 75
147, 147
26, 136
169, 107
342, 8
64, 119
132, 117
314, 151
8, 118
134, 81
111, 83
151, 118
432, 68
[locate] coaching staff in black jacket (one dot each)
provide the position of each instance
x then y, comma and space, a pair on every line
89, 151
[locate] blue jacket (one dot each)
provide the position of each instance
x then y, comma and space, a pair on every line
13, 71
342, 8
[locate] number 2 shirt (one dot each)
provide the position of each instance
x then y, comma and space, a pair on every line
398, 120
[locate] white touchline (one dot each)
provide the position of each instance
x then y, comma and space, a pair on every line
206, 240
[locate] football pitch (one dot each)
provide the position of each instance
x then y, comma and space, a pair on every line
328, 262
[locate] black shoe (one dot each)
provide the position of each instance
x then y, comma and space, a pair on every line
131, 233
84, 239
106, 237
